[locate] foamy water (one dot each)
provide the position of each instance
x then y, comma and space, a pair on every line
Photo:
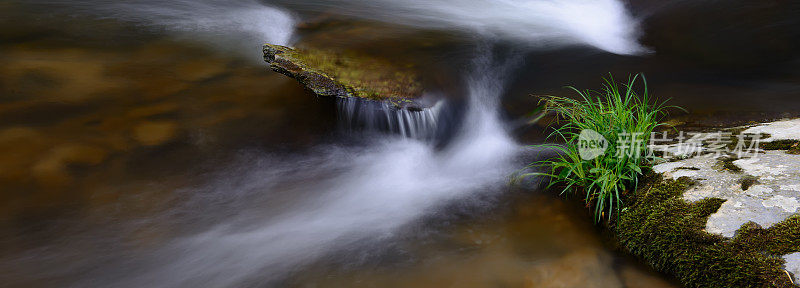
355, 114
339, 198
604, 24
235, 26
262, 23
267, 216
538, 24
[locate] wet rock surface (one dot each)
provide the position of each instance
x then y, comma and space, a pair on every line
762, 187
793, 265
342, 74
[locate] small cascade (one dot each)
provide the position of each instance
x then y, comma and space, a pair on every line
363, 114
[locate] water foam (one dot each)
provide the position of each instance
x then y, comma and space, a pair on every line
381, 188
268, 217
236, 26
604, 24
357, 114
260, 22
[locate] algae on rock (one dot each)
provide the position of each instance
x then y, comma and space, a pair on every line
730, 223
668, 232
335, 74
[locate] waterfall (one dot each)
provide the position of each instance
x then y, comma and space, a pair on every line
357, 114
265, 217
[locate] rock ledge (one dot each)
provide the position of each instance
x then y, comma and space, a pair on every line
342, 74
761, 189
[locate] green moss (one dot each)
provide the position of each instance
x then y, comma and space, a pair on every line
779, 145
780, 239
791, 146
726, 163
747, 181
733, 141
359, 75
668, 233
688, 168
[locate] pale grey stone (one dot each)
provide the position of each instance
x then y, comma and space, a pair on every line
775, 197
793, 265
780, 130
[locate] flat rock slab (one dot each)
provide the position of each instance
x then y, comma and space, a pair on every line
779, 130
342, 74
763, 188
771, 198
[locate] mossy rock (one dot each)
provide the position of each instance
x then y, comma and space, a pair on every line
791, 146
668, 233
726, 163
748, 181
345, 74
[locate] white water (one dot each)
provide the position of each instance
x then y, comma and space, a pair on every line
264, 221
236, 26
604, 24
211, 17
265, 218
355, 113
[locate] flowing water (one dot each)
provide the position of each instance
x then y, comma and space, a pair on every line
604, 24
357, 114
147, 144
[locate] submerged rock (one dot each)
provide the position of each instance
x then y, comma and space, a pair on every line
344, 75
585, 267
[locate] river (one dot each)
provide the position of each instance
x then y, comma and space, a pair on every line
146, 143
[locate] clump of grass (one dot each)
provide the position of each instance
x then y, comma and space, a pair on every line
625, 119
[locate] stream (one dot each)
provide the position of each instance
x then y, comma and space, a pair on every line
147, 144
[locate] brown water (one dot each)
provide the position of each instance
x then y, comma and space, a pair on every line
529, 241
129, 150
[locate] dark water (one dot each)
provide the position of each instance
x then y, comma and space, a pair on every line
146, 144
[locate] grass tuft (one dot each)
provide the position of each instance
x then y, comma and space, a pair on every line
625, 119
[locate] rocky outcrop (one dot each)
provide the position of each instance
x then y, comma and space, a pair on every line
343, 74
756, 179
